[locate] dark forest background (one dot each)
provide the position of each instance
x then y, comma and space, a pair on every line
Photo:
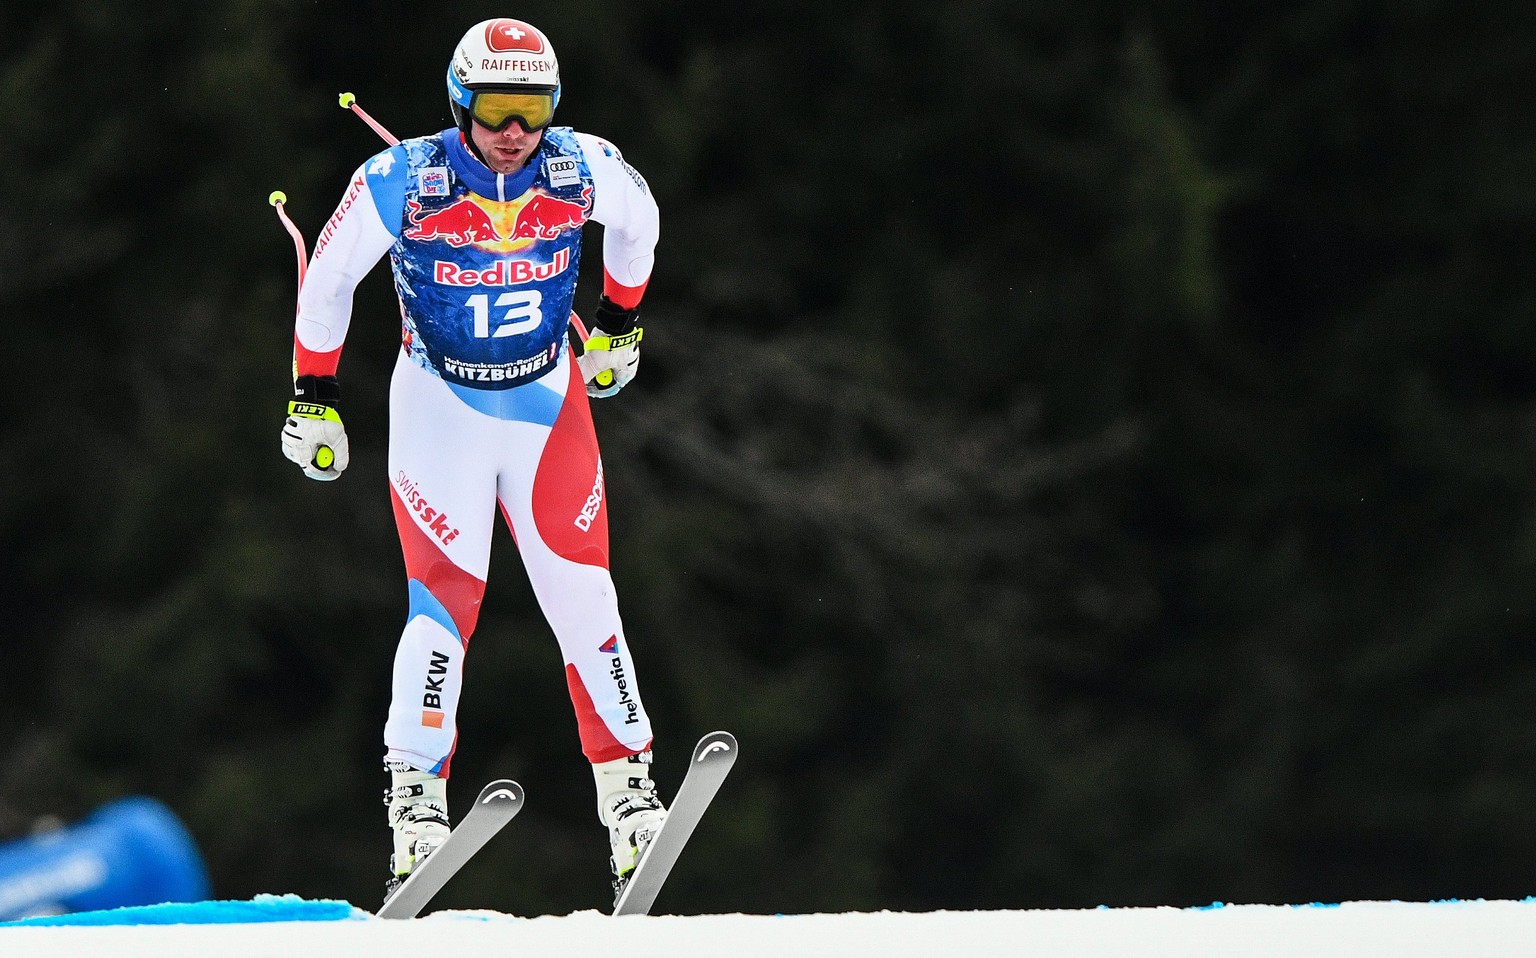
1084, 451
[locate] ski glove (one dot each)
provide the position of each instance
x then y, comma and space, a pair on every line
313, 436
611, 355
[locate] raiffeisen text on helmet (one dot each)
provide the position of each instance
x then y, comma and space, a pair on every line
529, 67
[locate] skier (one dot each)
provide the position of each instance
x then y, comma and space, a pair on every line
489, 407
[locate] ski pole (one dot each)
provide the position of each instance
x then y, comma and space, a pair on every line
324, 455
277, 199
349, 102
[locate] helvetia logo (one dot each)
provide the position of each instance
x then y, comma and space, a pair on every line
609, 647
621, 682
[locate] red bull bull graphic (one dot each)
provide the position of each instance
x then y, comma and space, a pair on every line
545, 217
458, 224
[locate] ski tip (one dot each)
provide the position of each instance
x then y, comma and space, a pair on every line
715, 744
501, 790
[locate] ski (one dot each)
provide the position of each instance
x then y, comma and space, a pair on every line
712, 761
498, 803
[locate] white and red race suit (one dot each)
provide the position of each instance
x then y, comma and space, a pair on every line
488, 408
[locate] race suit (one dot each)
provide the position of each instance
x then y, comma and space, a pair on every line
488, 407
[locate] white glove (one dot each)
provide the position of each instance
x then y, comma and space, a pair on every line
313, 435
609, 360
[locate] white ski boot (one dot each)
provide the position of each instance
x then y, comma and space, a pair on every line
418, 813
627, 804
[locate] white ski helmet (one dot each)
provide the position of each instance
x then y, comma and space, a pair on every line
503, 56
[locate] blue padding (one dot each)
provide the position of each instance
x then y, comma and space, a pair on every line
386, 175
263, 908
134, 851
423, 602
529, 402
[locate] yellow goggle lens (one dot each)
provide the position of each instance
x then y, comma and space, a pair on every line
495, 110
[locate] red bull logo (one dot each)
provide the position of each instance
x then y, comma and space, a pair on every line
545, 217
458, 224
502, 272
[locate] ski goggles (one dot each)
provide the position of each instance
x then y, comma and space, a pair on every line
495, 110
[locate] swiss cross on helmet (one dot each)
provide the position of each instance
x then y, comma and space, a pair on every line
503, 70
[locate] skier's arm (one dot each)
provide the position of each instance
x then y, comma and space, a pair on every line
623, 205
363, 228
349, 245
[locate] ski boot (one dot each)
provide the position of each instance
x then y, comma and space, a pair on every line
628, 806
418, 813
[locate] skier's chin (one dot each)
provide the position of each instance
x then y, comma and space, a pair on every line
507, 161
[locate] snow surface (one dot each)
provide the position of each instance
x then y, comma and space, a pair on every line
1484, 929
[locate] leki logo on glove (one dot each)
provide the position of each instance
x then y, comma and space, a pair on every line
629, 338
